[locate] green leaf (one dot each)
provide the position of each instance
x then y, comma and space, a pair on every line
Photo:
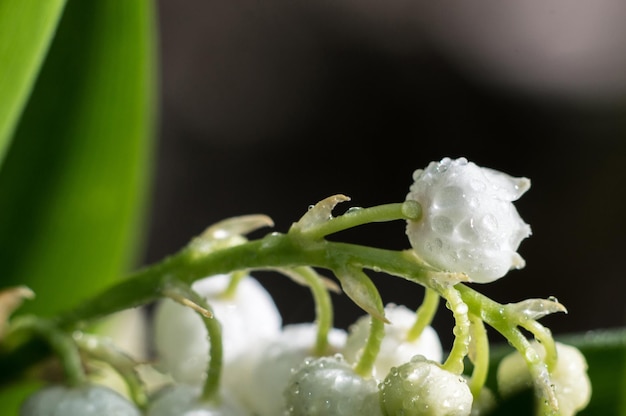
26, 29
74, 184
605, 352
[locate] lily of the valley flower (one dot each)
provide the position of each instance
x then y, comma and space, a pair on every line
395, 348
469, 224
77, 401
330, 386
422, 388
570, 380
247, 318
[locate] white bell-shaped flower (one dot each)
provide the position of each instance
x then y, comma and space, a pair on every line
184, 400
248, 318
261, 378
469, 224
395, 348
89, 399
329, 386
570, 380
422, 388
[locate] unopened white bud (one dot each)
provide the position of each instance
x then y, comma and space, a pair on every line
572, 386
329, 386
247, 318
422, 388
395, 348
263, 376
184, 400
89, 399
469, 224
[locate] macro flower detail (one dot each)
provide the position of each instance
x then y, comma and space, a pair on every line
570, 380
469, 224
396, 348
329, 386
183, 400
88, 399
262, 378
181, 338
422, 388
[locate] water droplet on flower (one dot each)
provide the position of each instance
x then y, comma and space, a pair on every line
353, 210
442, 225
489, 223
450, 196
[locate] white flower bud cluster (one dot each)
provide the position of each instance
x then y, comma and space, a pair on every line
181, 338
571, 382
469, 224
275, 371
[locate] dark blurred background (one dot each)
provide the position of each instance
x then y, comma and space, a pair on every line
268, 107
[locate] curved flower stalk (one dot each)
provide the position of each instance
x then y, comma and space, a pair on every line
396, 347
465, 208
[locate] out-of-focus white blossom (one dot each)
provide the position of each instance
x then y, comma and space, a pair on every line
260, 379
183, 400
79, 401
329, 386
247, 319
395, 348
571, 382
469, 224
422, 388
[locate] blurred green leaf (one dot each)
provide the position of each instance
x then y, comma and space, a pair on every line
74, 184
26, 30
605, 352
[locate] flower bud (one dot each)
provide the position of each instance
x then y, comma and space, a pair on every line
395, 348
261, 378
184, 400
469, 224
92, 400
181, 338
329, 386
572, 386
422, 388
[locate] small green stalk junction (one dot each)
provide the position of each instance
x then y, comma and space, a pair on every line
297, 254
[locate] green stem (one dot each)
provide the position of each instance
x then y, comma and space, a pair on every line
371, 349
233, 284
547, 402
273, 251
368, 298
479, 355
61, 344
323, 304
104, 350
544, 336
360, 216
424, 314
187, 297
460, 347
